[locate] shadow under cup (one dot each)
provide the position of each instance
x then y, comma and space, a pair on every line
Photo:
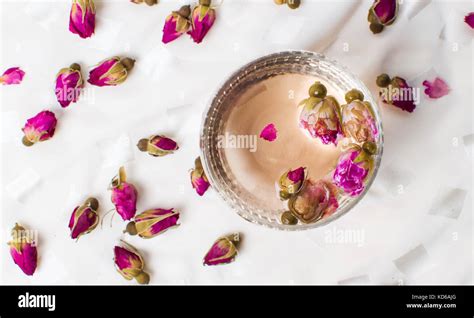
216, 166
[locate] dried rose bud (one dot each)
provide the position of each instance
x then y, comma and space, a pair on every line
397, 92
469, 19
157, 145
82, 18
23, 250
320, 115
84, 218
39, 128
176, 24
223, 251
381, 14
152, 222
291, 182
316, 200
199, 180
436, 89
111, 72
354, 167
202, 19
269, 133
124, 195
358, 119
148, 2
130, 264
12, 76
69, 83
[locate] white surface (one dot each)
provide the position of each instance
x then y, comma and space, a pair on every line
394, 236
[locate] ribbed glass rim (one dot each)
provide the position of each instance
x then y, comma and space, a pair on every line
253, 214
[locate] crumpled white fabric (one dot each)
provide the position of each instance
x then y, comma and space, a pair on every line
398, 234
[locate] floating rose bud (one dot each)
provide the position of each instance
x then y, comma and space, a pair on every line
198, 178
150, 223
315, 201
397, 92
84, 218
469, 19
23, 249
381, 14
69, 83
353, 168
82, 18
148, 2
157, 146
39, 128
12, 76
202, 19
111, 72
291, 182
436, 89
124, 195
321, 118
176, 24
269, 132
358, 119
130, 264
223, 251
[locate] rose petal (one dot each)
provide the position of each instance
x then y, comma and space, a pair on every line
12, 76
469, 19
269, 133
436, 89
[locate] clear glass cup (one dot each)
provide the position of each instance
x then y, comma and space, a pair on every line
214, 162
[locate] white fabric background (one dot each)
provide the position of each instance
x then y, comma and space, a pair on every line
414, 227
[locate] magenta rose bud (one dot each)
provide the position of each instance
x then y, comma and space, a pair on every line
353, 168
358, 119
84, 218
157, 145
396, 92
12, 76
176, 24
111, 72
320, 117
124, 196
23, 250
152, 222
202, 19
436, 89
198, 178
381, 14
291, 182
82, 18
39, 128
69, 83
223, 251
129, 263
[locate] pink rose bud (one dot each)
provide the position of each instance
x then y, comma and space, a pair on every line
436, 89
129, 263
291, 182
82, 18
111, 72
396, 92
12, 76
198, 178
381, 14
353, 168
202, 19
320, 115
176, 24
315, 201
157, 145
269, 133
23, 249
39, 128
84, 218
223, 251
152, 222
124, 196
469, 19
358, 119
69, 83
148, 2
